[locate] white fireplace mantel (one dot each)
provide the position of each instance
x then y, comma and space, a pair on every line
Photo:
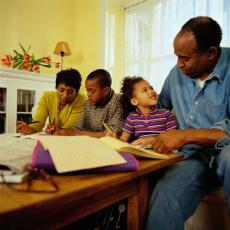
13, 80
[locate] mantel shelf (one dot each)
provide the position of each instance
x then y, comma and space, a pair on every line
19, 92
9, 73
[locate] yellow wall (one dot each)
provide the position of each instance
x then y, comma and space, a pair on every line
42, 23
79, 22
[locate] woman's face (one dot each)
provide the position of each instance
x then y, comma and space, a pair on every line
66, 94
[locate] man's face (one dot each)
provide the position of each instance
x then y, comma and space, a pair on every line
192, 63
95, 92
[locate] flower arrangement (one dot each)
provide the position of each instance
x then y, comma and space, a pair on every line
23, 60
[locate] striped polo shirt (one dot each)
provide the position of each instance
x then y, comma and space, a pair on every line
158, 120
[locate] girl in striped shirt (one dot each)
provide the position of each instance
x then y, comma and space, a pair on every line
144, 120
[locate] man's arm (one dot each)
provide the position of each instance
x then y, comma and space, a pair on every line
174, 139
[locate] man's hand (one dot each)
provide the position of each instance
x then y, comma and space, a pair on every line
168, 141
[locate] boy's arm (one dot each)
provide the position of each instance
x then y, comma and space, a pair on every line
115, 117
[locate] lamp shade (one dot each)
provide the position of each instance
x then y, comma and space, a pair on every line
62, 49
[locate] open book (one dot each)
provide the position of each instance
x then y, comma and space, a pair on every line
135, 150
72, 153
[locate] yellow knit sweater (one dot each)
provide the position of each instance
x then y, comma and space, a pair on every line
48, 107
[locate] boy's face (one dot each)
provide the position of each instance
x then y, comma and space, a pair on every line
95, 92
143, 95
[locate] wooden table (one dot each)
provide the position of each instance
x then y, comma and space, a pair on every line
80, 195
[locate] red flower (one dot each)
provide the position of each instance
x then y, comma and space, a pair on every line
26, 57
7, 61
25, 66
57, 65
47, 59
23, 60
9, 57
36, 68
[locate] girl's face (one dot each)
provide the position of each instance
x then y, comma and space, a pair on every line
66, 94
143, 95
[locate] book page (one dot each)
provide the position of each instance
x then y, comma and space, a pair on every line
71, 153
15, 153
33, 136
124, 146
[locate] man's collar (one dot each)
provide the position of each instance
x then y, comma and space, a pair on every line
220, 68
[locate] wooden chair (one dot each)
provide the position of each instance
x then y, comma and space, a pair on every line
211, 214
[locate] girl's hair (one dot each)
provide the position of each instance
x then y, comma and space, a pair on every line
127, 93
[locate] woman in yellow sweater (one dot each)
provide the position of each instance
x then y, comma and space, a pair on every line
63, 107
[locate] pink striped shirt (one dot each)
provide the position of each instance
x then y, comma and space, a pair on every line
158, 120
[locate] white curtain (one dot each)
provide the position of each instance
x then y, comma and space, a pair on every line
150, 27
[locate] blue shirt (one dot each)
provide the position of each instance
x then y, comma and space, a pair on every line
196, 108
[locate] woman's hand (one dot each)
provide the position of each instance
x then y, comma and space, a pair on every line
24, 128
52, 129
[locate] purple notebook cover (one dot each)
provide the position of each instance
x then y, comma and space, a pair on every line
41, 159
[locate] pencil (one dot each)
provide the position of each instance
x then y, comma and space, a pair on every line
107, 127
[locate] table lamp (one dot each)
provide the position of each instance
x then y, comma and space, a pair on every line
62, 49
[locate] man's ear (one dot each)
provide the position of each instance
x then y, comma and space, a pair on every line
212, 52
134, 102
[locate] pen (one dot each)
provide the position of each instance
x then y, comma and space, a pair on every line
32, 122
29, 122
107, 127
52, 127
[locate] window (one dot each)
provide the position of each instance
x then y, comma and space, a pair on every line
150, 27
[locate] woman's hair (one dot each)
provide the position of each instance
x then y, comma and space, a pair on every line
127, 93
69, 77
103, 77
